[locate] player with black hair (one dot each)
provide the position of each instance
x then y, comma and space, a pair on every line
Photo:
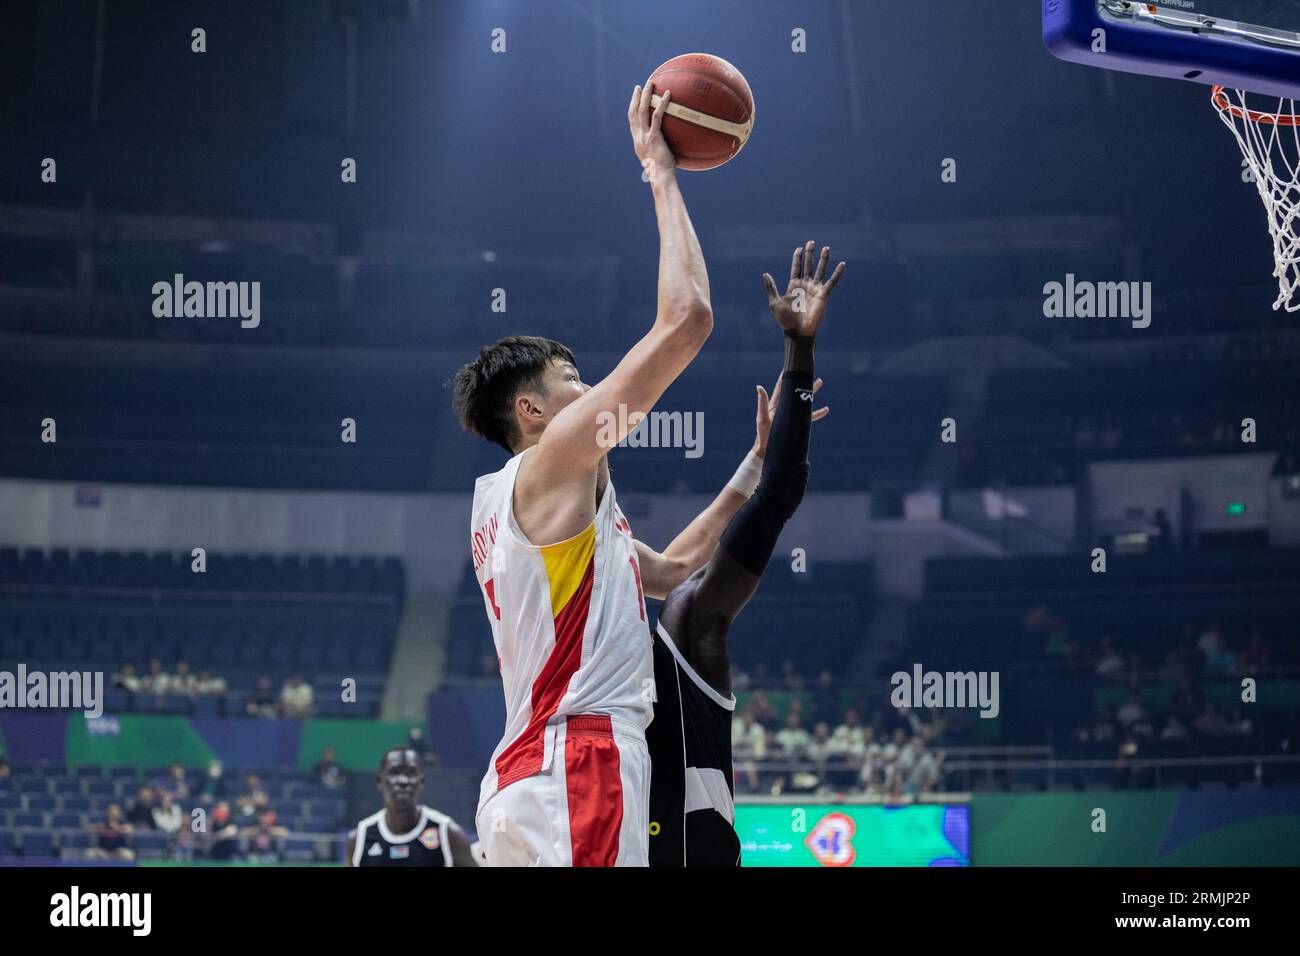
406, 832
692, 796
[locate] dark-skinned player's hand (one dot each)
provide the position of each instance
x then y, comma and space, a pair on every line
801, 310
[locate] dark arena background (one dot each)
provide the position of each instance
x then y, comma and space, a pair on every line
253, 526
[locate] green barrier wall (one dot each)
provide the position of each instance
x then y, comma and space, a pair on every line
360, 743
140, 740
1143, 828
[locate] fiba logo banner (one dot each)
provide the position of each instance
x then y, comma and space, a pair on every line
831, 840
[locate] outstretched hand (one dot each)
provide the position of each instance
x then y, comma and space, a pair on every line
801, 309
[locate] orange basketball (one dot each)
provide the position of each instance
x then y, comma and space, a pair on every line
711, 111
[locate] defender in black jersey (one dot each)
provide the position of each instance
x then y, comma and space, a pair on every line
691, 792
405, 832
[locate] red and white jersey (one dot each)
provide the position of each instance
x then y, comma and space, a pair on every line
569, 623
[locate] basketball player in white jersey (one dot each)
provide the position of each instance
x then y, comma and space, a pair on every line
563, 579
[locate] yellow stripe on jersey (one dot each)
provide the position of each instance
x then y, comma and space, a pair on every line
566, 564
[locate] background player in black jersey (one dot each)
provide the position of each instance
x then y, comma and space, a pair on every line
691, 792
405, 832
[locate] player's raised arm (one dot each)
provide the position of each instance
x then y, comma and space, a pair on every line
586, 429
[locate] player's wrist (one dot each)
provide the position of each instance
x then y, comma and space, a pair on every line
799, 350
745, 480
662, 176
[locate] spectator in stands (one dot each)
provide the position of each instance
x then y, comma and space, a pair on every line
791, 679
1217, 656
296, 697
5, 769
1239, 725
850, 737
223, 834
1256, 657
1058, 642
156, 680
1110, 665
872, 774
1174, 730
253, 799
182, 682
1131, 710
919, 770
127, 679
1187, 702
205, 685
1174, 668
819, 748
748, 745
328, 769
844, 752
1211, 722
1103, 729
792, 740
748, 738
914, 722
415, 740
885, 764
167, 815
176, 783
1209, 644
112, 837
140, 815
214, 786
265, 838
826, 706
764, 712
1144, 728
262, 702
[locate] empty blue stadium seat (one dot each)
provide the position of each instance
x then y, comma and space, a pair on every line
150, 844
299, 850
38, 844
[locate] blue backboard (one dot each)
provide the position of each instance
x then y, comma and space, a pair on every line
1242, 44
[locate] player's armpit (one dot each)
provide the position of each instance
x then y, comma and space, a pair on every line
589, 427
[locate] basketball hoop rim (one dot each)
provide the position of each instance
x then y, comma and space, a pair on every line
1219, 97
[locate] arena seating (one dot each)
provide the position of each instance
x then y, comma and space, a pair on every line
45, 810
247, 616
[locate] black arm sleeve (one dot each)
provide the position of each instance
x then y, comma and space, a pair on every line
751, 536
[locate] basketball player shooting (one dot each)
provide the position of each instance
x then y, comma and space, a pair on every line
562, 577
691, 796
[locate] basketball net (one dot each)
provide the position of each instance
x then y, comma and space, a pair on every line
1270, 142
